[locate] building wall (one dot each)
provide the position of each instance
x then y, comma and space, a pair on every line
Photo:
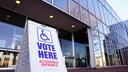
108, 69
119, 36
99, 16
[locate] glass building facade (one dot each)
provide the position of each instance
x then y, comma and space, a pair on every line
103, 22
98, 44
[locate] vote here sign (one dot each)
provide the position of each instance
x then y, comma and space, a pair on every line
44, 49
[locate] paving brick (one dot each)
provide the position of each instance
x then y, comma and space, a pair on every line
105, 69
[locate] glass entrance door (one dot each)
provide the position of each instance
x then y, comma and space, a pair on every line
75, 48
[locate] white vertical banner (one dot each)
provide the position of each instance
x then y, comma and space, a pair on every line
44, 49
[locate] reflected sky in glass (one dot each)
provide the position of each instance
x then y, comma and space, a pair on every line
8, 34
63, 4
66, 46
80, 50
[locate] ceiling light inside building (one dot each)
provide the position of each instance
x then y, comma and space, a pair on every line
51, 16
7, 17
17, 1
73, 26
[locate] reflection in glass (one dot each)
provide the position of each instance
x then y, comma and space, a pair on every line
10, 36
81, 49
98, 43
100, 26
69, 62
96, 7
102, 43
117, 45
83, 3
74, 9
93, 21
76, 1
91, 6
63, 4
84, 16
106, 16
66, 46
50, 1
8, 59
101, 12
105, 29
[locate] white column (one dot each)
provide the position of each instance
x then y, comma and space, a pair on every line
91, 49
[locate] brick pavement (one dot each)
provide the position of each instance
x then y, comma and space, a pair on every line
105, 69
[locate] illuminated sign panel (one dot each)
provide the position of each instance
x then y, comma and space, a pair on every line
44, 49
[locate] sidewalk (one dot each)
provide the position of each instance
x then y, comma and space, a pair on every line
105, 69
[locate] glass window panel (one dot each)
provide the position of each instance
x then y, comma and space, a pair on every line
83, 3
115, 15
65, 42
97, 10
105, 16
66, 46
93, 21
121, 34
74, 9
111, 43
98, 47
90, 6
50, 1
114, 20
119, 19
108, 45
69, 62
96, 42
111, 48
102, 43
122, 41
117, 45
85, 16
102, 1
81, 45
105, 28
120, 30
63, 4
107, 50
101, 12
8, 59
100, 26
108, 18
120, 55
10, 36
76, 1
112, 12
80, 50
107, 6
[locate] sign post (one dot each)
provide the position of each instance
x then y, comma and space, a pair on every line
41, 51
